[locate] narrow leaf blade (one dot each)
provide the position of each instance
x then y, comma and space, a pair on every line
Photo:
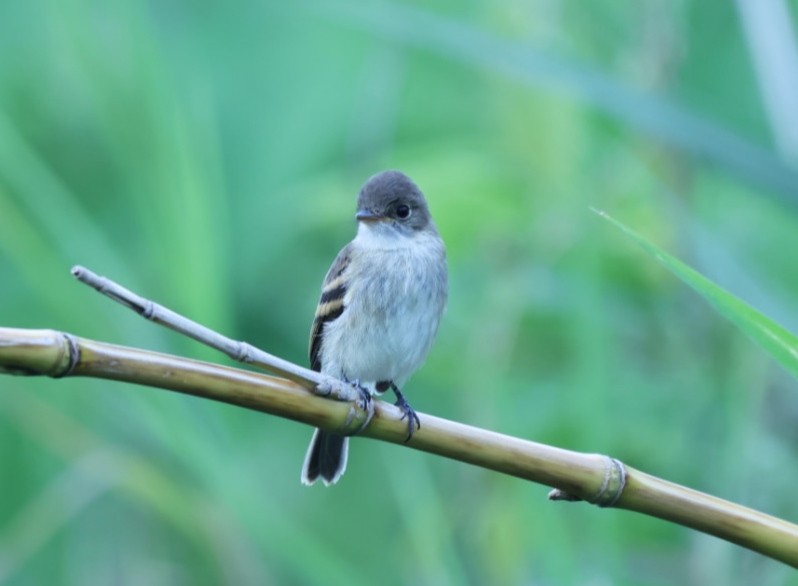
777, 341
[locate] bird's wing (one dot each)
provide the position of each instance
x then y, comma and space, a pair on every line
331, 304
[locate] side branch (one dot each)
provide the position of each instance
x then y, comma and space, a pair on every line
575, 476
238, 351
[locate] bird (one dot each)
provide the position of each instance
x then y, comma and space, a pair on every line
380, 307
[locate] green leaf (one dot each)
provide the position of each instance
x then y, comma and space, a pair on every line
776, 340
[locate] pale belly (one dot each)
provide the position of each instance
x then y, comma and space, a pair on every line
388, 325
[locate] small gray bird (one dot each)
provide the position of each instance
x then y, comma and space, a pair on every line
380, 306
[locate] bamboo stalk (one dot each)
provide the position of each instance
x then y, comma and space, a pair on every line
594, 478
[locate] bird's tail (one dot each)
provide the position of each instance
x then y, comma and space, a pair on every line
326, 458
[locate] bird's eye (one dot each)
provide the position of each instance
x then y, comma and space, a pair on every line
403, 211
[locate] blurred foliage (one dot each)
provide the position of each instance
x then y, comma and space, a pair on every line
208, 155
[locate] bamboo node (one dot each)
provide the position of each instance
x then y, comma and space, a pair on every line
613, 485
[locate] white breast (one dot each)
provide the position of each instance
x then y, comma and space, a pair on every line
395, 297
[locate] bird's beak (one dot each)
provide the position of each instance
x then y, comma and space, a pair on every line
368, 215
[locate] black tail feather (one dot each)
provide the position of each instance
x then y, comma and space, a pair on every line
326, 458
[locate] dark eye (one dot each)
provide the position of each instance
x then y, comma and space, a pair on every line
403, 211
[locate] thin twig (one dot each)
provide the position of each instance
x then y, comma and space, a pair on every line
238, 351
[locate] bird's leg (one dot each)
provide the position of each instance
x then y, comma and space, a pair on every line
353, 392
363, 401
365, 395
408, 412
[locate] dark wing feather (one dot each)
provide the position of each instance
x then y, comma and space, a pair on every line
331, 305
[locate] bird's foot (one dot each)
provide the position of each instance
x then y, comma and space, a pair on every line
364, 400
413, 422
352, 392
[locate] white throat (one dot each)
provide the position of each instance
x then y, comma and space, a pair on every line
382, 236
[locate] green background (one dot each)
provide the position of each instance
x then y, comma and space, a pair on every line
208, 156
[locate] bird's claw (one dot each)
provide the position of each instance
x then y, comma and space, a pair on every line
344, 390
351, 392
413, 422
364, 400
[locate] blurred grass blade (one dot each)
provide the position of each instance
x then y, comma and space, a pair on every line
776, 340
692, 132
